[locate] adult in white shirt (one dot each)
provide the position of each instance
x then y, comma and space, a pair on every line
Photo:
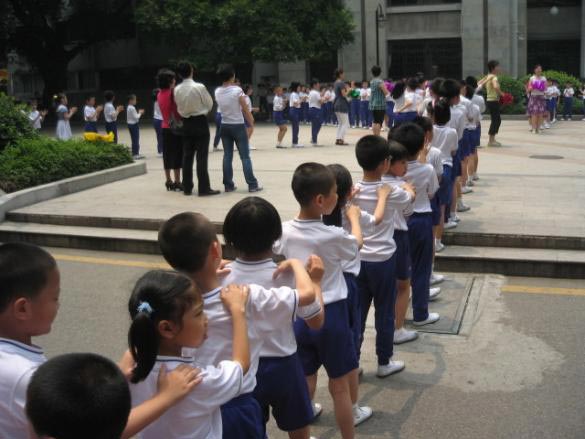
193, 104
231, 102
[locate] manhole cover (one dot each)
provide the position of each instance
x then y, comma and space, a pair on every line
547, 157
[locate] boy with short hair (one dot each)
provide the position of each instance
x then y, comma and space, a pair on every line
78, 395
111, 114
133, 119
420, 223
377, 281
35, 116
332, 347
189, 244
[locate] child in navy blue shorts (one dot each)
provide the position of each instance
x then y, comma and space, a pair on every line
332, 346
278, 113
251, 227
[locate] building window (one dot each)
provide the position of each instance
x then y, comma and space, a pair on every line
438, 57
551, 3
391, 3
563, 55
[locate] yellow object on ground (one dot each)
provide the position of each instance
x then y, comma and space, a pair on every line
94, 137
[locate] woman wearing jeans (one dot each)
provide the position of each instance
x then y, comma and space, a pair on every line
492, 87
231, 102
341, 107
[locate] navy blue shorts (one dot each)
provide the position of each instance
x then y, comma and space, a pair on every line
457, 160
282, 386
331, 346
467, 141
242, 418
279, 118
403, 266
400, 118
446, 186
90, 127
436, 208
353, 308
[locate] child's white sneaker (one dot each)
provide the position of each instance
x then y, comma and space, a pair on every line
361, 414
462, 207
439, 246
475, 177
432, 318
297, 145
449, 225
547, 126
434, 293
453, 217
389, 369
317, 409
437, 278
403, 335
466, 189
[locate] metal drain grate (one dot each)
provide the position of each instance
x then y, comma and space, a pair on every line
547, 157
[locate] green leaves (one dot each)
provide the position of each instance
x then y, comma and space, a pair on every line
14, 123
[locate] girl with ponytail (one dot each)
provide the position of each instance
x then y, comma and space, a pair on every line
167, 315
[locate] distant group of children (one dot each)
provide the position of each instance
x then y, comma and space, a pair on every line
217, 346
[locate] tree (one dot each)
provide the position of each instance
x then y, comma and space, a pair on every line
50, 33
241, 31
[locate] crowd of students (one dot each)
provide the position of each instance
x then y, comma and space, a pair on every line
217, 346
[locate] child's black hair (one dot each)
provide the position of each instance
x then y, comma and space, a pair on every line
165, 78
370, 151
314, 82
109, 95
185, 240
252, 225
398, 151
225, 72
411, 136
310, 180
158, 295
88, 97
441, 112
376, 71
398, 90
185, 69
469, 91
24, 271
344, 185
413, 83
436, 86
450, 88
78, 395
294, 86
426, 123
471, 80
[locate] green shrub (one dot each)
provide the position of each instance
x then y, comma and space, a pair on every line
41, 160
513, 86
14, 123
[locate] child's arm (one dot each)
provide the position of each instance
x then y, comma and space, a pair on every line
353, 214
383, 192
409, 189
140, 113
316, 271
234, 298
119, 109
303, 282
71, 112
172, 387
98, 111
247, 115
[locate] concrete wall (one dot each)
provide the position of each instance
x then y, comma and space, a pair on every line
289, 72
472, 38
563, 26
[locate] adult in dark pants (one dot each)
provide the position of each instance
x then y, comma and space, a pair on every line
193, 104
493, 92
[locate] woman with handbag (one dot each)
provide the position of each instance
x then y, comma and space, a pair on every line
493, 93
171, 142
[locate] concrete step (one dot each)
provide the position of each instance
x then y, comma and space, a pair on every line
450, 238
468, 259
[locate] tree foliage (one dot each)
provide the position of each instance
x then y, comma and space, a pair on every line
14, 123
240, 31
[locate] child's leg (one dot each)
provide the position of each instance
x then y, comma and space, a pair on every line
402, 299
339, 390
421, 251
384, 292
281, 132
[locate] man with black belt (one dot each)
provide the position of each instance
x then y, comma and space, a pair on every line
193, 104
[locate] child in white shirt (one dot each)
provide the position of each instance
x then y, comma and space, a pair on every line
35, 116
91, 114
279, 104
568, 94
133, 118
111, 114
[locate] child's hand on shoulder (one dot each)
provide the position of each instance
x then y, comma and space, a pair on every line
44, 113
223, 269
177, 384
409, 188
384, 191
119, 108
99, 108
315, 268
235, 297
141, 111
354, 191
73, 110
353, 212
285, 266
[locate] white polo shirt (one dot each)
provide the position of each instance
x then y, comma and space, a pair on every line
314, 99
198, 415
379, 246
89, 113
279, 341
278, 104
110, 112
400, 215
266, 311
132, 116
473, 117
445, 140
295, 100
479, 101
367, 224
457, 121
18, 362
228, 103
302, 238
434, 159
35, 118
422, 176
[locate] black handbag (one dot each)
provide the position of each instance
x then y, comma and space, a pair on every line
175, 122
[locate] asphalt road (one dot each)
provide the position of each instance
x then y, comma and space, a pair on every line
517, 369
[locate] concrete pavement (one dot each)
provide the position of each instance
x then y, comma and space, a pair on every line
514, 371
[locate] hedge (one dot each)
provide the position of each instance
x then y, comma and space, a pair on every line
14, 122
41, 160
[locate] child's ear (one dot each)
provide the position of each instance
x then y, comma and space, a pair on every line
167, 329
215, 250
319, 199
21, 309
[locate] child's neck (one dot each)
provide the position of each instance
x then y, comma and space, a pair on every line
391, 174
10, 331
309, 213
206, 279
370, 176
169, 349
256, 257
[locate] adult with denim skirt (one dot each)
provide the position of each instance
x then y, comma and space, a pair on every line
341, 107
193, 104
231, 102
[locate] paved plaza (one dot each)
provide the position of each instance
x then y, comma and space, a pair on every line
519, 193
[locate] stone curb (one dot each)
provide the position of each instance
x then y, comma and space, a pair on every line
26, 197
